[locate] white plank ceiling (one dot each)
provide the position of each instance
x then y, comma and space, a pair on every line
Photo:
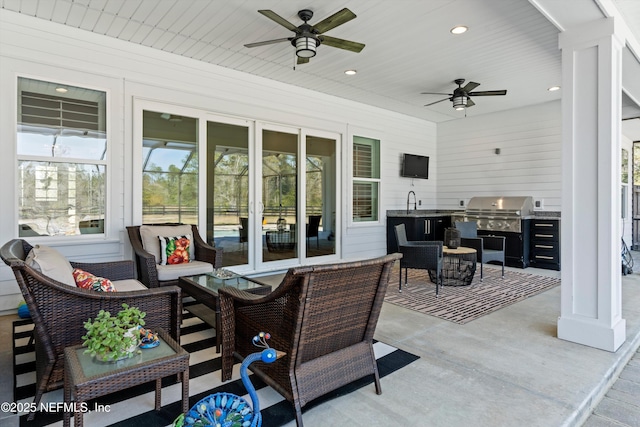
409, 48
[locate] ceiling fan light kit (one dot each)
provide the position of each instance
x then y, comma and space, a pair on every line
460, 102
305, 46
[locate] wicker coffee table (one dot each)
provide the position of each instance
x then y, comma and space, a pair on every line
204, 289
85, 378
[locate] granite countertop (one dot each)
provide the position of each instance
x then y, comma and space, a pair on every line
421, 213
545, 215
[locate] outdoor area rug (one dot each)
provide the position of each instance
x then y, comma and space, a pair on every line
462, 304
134, 406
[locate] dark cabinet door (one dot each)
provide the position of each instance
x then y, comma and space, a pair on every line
434, 227
441, 223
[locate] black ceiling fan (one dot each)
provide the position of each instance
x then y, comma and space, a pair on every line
308, 37
461, 96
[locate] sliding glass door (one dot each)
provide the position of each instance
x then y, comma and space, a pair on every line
228, 184
280, 195
321, 195
266, 194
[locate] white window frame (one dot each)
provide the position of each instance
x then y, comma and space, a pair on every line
105, 162
361, 133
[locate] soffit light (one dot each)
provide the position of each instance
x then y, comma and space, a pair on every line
459, 29
306, 46
553, 88
61, 89
351, 72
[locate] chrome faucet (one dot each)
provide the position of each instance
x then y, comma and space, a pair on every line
415, 203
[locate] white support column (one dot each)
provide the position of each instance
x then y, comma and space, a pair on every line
591, 141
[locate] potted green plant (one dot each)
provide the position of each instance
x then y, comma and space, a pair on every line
111, 338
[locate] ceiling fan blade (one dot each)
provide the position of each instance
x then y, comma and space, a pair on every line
266, 42
426, 105
488, 93
303, 60
279, 19
470, 86
342, 44
470, 103
435, 93
338, 18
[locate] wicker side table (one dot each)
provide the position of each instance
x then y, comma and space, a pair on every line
85, 379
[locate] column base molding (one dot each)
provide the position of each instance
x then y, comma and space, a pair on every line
588, 332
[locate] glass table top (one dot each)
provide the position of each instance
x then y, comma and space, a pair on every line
92, 367
214, 281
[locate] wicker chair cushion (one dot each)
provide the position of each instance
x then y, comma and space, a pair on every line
175, 250
172, 272
149, 235
128, 285
51, 263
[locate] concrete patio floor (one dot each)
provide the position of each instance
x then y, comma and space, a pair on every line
505, 369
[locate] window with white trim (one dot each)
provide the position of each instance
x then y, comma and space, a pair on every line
366, 179
61, 146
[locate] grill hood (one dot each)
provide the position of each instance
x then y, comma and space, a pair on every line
513, 205
497, 213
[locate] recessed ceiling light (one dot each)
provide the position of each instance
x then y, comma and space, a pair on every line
350, 72
62, 89
553, 88
459, 29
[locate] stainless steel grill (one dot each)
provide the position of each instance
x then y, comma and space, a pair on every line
498, 213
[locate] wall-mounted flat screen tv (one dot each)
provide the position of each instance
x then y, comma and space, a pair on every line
414, 166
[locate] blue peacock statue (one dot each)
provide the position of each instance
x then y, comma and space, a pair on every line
229, 410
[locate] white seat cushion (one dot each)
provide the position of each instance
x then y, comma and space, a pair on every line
149, 236
51, 263
128, 285
172, 272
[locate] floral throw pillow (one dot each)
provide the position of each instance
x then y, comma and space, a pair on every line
87, 280
174, 250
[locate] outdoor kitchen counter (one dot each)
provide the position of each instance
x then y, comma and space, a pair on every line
545, 215
420, 213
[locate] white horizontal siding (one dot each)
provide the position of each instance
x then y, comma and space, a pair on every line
529, 163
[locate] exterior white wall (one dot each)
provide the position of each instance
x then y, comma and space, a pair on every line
48, 51
529, 163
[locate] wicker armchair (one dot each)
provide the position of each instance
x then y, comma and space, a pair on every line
323, 317
422, 255
59, 310
488, 248
147, 264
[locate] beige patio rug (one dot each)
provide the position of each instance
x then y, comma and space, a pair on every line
462, 304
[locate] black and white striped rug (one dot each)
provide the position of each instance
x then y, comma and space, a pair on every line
134, 406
